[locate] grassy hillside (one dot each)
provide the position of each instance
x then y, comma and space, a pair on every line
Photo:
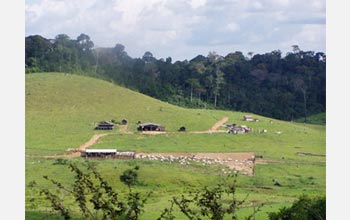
319, 119
63, 109
61, 112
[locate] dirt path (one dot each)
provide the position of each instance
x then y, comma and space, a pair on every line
92, 141
76, 151
214, 128
123, 129
218, 124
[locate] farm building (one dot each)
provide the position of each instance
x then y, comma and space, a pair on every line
108, 153
239, 129
105, 125
150, 127
249, 118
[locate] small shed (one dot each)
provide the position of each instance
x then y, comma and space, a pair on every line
239, 129
105, 125
248, 118
108, 154
150, 127
99, 153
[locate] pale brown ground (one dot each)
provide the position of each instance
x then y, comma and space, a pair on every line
243, 162
214, 128
76, 151
123, 129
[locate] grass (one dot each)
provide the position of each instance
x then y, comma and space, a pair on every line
63, 109
166, 180
319, 119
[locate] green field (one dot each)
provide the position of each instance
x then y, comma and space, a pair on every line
319, 119
62, 110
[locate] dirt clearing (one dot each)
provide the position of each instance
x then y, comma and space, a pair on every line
241, 162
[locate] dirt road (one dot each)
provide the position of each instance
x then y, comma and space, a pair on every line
214, 128
218, 124
76, 151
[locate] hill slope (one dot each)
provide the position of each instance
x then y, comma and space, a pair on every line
63, 109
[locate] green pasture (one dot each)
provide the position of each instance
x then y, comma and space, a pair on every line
319, 118
63, 109
165, 180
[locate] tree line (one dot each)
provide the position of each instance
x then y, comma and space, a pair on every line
283, 87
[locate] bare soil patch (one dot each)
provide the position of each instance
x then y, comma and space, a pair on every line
153, 132
242, 162
218, 124
76, 151
214, 128
310, 154
264, 161
123, 129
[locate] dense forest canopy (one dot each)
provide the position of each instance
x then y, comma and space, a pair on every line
286, 88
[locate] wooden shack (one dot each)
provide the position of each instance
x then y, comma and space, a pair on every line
248, 118
99, 153
105, 125
108, 154
239, 129
150, 127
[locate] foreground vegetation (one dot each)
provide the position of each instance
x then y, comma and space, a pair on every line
56, 121
167, 180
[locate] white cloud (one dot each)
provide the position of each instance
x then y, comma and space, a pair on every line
167, 27
232, 27
197, 3
311, 37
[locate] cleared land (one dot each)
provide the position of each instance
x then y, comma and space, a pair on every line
242, 162
56, 122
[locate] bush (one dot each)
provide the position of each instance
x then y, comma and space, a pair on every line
129, 177
215, 203
95, 197
304, 208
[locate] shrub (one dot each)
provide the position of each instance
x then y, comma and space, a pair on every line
305, 208
95, 197
213, 203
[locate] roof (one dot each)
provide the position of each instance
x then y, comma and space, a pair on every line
148, 124
101, 151
106, 123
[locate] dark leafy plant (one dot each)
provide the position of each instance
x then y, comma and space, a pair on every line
129, 177
304, 208
94, 196
213, 203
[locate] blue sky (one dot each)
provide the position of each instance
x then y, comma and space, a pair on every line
183, 29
